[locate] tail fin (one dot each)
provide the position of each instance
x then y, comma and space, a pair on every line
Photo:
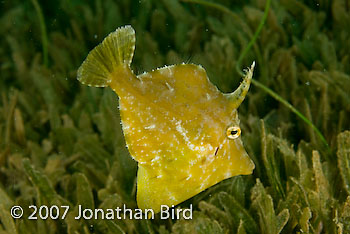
115, 50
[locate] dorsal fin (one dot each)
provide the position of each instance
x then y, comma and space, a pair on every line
116, 50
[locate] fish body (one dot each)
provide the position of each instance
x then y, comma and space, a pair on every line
183, 132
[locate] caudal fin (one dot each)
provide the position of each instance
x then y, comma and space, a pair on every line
116, 49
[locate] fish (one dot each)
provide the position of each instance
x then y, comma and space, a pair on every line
182, 131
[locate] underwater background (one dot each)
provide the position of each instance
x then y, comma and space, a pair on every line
61, 142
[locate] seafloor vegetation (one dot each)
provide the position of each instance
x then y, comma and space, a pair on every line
61, 142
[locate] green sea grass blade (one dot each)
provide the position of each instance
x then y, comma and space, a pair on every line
255, 36
322, 185
269, 161
304, 220
199, 224
7, 220
113, 227
263, 204
85, 197
205, 225
343, 155
44, 39
212, 5
5, 200
215, 212
241, 229
238, 212
49, 93
321, 197
92, 150
40, 181
281, 220
344, 217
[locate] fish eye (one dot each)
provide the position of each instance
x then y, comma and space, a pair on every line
233, 132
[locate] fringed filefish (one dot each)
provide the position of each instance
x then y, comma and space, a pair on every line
183, 132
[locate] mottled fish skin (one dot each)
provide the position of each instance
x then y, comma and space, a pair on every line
175, 123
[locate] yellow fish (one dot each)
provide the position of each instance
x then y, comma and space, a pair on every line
183, 132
